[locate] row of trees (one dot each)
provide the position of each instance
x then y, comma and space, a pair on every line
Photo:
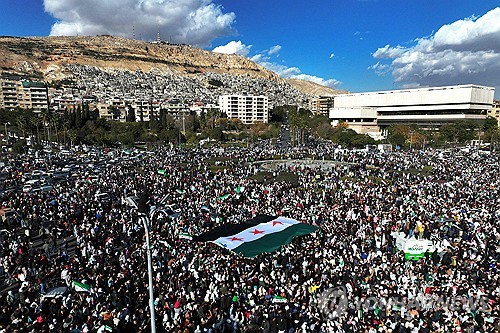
82, 125
454, 133
303, 123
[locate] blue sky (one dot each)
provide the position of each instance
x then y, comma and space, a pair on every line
348, 44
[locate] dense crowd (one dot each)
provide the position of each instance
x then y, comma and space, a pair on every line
359, 203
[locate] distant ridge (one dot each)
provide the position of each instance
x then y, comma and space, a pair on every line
44, 57
315, 89
58, 58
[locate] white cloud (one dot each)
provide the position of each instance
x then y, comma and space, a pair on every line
275, 49
267, 59
465, 51
332, 83
296, 73
380, 69
234, 47
388, 52
281, 70
195, 22
258, 58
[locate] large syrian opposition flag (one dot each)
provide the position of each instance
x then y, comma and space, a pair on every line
261, 234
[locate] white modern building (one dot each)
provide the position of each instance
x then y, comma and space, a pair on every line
431, 107
249, 109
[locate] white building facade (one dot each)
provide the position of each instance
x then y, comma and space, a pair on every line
426, 107
249, 109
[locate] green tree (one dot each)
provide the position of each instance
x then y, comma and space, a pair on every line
321, 126
130, 114
299, 122
278, 113
169, 135
490, 123
216, 134
22, 124
361, 140
19, 147
343, 136
154, 124
459, 132
36, 122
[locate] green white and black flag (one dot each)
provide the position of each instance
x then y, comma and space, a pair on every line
263, 233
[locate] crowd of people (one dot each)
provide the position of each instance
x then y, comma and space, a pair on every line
359, 201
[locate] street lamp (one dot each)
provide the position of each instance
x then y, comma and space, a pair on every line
146, 214
146, 222
140, 204
5, 126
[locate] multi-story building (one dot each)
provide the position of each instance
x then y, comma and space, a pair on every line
35, 96
9, 91
321, 105
495, 111
426, 107
105, 111
249, 109
23, 94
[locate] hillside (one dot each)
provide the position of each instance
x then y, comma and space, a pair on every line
45, 57
138, 69
315, 89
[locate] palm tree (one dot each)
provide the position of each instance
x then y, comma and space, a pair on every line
36, 121
72, 137
65, 128
54, 119
22, 123
45, 116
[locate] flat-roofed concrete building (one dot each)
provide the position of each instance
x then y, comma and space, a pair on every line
426, 107
23, 94
249, 109
35, 96
495, 111
321, 105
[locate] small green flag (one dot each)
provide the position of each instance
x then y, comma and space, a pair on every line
81, 286
279, 299
224, 197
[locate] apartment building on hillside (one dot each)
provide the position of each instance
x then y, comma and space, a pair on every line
23, 94
321, 105
249, 109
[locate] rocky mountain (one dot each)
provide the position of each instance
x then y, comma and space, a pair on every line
123, 64
315, 89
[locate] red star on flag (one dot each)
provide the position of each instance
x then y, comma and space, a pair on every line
256, 232
236, 239
277, 222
